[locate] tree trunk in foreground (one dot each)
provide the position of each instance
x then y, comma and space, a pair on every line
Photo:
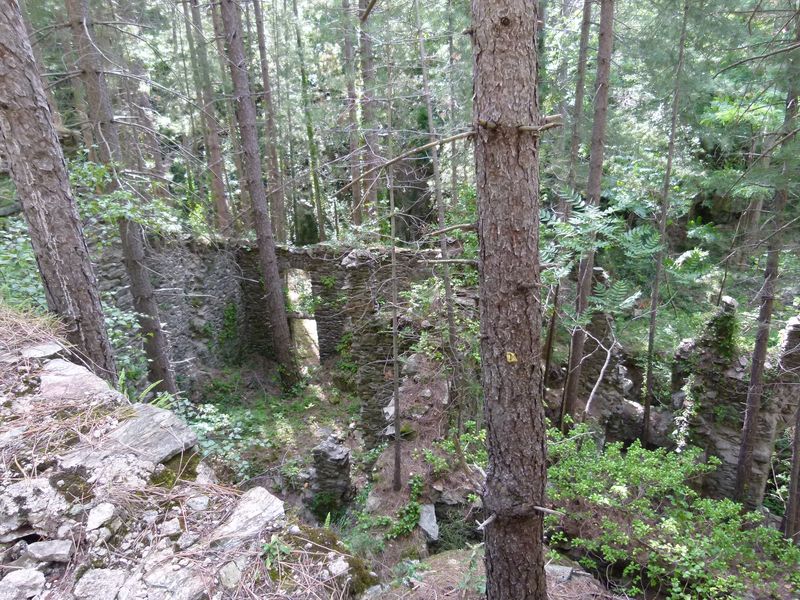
246, 116
507, 168
755, 388
37, 166
106, 136
593, 188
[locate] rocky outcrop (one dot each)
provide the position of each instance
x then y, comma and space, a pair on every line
716, 393
616, 410
104, 499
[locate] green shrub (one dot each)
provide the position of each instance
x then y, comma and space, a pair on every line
634, 512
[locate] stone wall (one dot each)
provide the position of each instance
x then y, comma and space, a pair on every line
211, 298
198, 289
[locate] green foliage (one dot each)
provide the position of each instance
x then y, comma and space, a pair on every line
472, 443
407, 516
20, 285
439, 465
346, 364
274, 551
220, 435
408, 572
127, 342
326, 507
102, 211
471, 581
636, 511
290, 472
619, 297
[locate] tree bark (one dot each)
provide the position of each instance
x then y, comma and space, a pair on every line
277, 204
451, 84
507, 169
246, 116
106, 136
356, 209
313, 150
593, 188
791, 521
368, 115
789, 369
38, 169
755, 388
662, 231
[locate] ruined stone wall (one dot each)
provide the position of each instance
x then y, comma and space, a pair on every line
199, 297
717, 395
211, 298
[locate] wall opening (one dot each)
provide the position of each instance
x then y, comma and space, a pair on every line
302, 321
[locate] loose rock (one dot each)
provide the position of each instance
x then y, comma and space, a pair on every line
21, 584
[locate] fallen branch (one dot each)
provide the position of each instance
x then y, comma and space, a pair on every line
398, 158
461, 226
452, 261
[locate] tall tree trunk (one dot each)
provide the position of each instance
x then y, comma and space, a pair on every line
755, 389
277, 205
106, 136
593, 188
195, 183
313, 150
575, 139
38, 169
397, 476
368, 114
244, 212
246, 116
662, 230
356, 209
214, 159
507, 168
451, 84
289, 160
580, 92
441, 209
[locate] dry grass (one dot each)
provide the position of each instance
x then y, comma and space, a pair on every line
21, 328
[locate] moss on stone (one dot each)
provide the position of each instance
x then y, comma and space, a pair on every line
326, 540
361, 577
181, 467
73, 484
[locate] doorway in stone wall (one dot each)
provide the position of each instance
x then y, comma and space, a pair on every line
301, 317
